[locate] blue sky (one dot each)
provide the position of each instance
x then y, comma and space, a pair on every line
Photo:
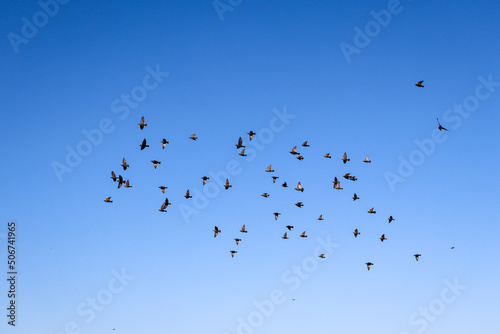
281, 69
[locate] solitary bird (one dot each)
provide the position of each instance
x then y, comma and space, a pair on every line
390, 219
284, 236
419, 84
227, 185
368, 265
240, 144
275, 178
127, 184
289, 227
382, 238
417, 256
143, 145
367, 160
305, 144
164, 143
321, 256
108, 200
205, 178
163, 208
269, 170
142, 124
299, 187
266, 195
162, 188
237, 241
372, 210
113, 176
187, 195
441, 127
320, 217
294, 151
124, 164
303, 235
216, 231
356, 233
233, 252
327, 156
300, 157
355, 197
251, 134
299, 204
193, 136
276, 214
344, 159
155, 163
284, 185
243, 229
242, 153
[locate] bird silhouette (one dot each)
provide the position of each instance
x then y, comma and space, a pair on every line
163, 208
187, 195
108, 200
347, 176
164, 143
269, 170
284, 236
284, 185
162, 188
113, 176
417, 256
289, 227
368, 265
344, 158
382, 238
227, 185
441, 127
299, 204
356, 233
127, 184
355, 197
305, 144
320, 217
156, 163
367, 160
300, 157
243, 229
275, 178
124, 164
120, 181
237, 241
205, 178
242, 153
167, 203
144, 145
390, 219
299, 187
251, 134
276, 214
321, 256
240, 143
419, 84
372, 210
327, 156
216, 231
303, 235
233, 252
193, 136
294, 151
141, 123
266, 195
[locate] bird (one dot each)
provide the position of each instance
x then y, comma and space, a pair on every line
299, 187
390, 219
124, 164
120, 181
243, 229
417, 256
266, 195
327, 156
347, 176
367, 160
303, 235
155, 163
320, 217
294, 151
276, 214
321, 256
300, 157
167, 203
299, 204
289, 227
193, 136
113, 176
382, 238
162, 188
143, 145
269, 170
108, 200
227, 185
187, 195
237, 240
355, 197
441, 127
205, 178
275, 178
216, 231
356, 233
353, 178
127, 184
368, 265
419, 84
251, 134
240, 143
284, 236
344, 159
163, 208
305, 144
372, 210
141, 123
242, 153
164, 143
233, 252
284, 185
453, 247
336, 184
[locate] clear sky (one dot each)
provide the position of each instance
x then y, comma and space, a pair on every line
79, 75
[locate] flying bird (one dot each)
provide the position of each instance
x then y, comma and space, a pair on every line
289, 227
347, 176
162, 188
344, 159
205, 178
299, 187
243, 229
299, 204
187, 195
251, 134
233, 252
417, 256
124, 164
276, 214
164, 143
275, 178
120, 181
127, 184
193, 136
390, 219
242, 153
142, 124
294, 151
382, 238
336, 184
372, 210
108, 200
368, 265
167, 203
320, 217
143, 145
227, 185
113, 176
284, 185
237, 241
321, 256
355, 197
419, 84
216, 231
356, 233
303, 235
353, 178
300, 157
266, 195
327, 156
155, 163
240, 143
367, 160
269, 170
163, 208
284, 236
441, 127
305, 144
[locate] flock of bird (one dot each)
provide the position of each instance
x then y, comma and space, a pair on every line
336, 184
